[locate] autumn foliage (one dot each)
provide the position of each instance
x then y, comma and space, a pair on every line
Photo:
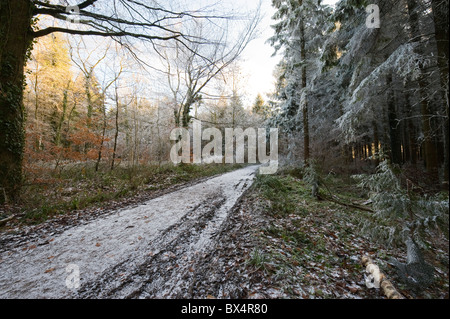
60, 130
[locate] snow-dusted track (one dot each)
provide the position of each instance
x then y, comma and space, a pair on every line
149, 251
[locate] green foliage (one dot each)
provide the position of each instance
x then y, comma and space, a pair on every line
294, 171
400, 213
270, 183
279, 192
311, 175
258, 259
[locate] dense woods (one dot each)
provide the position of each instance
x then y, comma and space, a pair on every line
380, 92
363, 90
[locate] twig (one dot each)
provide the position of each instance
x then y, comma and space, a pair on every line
7, 219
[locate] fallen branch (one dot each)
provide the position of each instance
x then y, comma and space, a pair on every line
336, 200
339, 201
7, 219
380, 279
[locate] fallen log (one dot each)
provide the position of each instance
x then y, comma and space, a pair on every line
380, 279
334, 199
337, 200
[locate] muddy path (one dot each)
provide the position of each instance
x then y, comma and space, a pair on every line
158, 249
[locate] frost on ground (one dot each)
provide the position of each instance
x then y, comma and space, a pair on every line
213, 239
154, 250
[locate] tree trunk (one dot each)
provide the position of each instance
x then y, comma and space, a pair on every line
186, 118
15, 40
430, 151
440, 15
429, 147
136, 146
99, 158
116, 134
87, 89
376, 143
62, 118
394, 134
306, 153
406, 154
410, 137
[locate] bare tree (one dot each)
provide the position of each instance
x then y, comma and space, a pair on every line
190, 69
87, 69
116, 118
105, 87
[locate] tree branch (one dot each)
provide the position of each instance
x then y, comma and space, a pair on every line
46, 31
86, 4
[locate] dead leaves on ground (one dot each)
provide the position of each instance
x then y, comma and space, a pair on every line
314, 252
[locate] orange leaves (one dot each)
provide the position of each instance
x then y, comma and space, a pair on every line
82, 135
79, 143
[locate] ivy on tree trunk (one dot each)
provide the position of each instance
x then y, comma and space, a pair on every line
15, 42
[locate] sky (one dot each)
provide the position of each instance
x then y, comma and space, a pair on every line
257, 62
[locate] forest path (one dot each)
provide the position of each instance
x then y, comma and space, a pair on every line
146, 251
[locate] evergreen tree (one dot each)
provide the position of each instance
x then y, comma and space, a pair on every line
299, 33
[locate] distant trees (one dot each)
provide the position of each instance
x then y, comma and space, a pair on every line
58, 129
87, 108
124, 21
261, 107
87, 111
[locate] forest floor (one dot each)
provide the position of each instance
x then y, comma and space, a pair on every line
214, 237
